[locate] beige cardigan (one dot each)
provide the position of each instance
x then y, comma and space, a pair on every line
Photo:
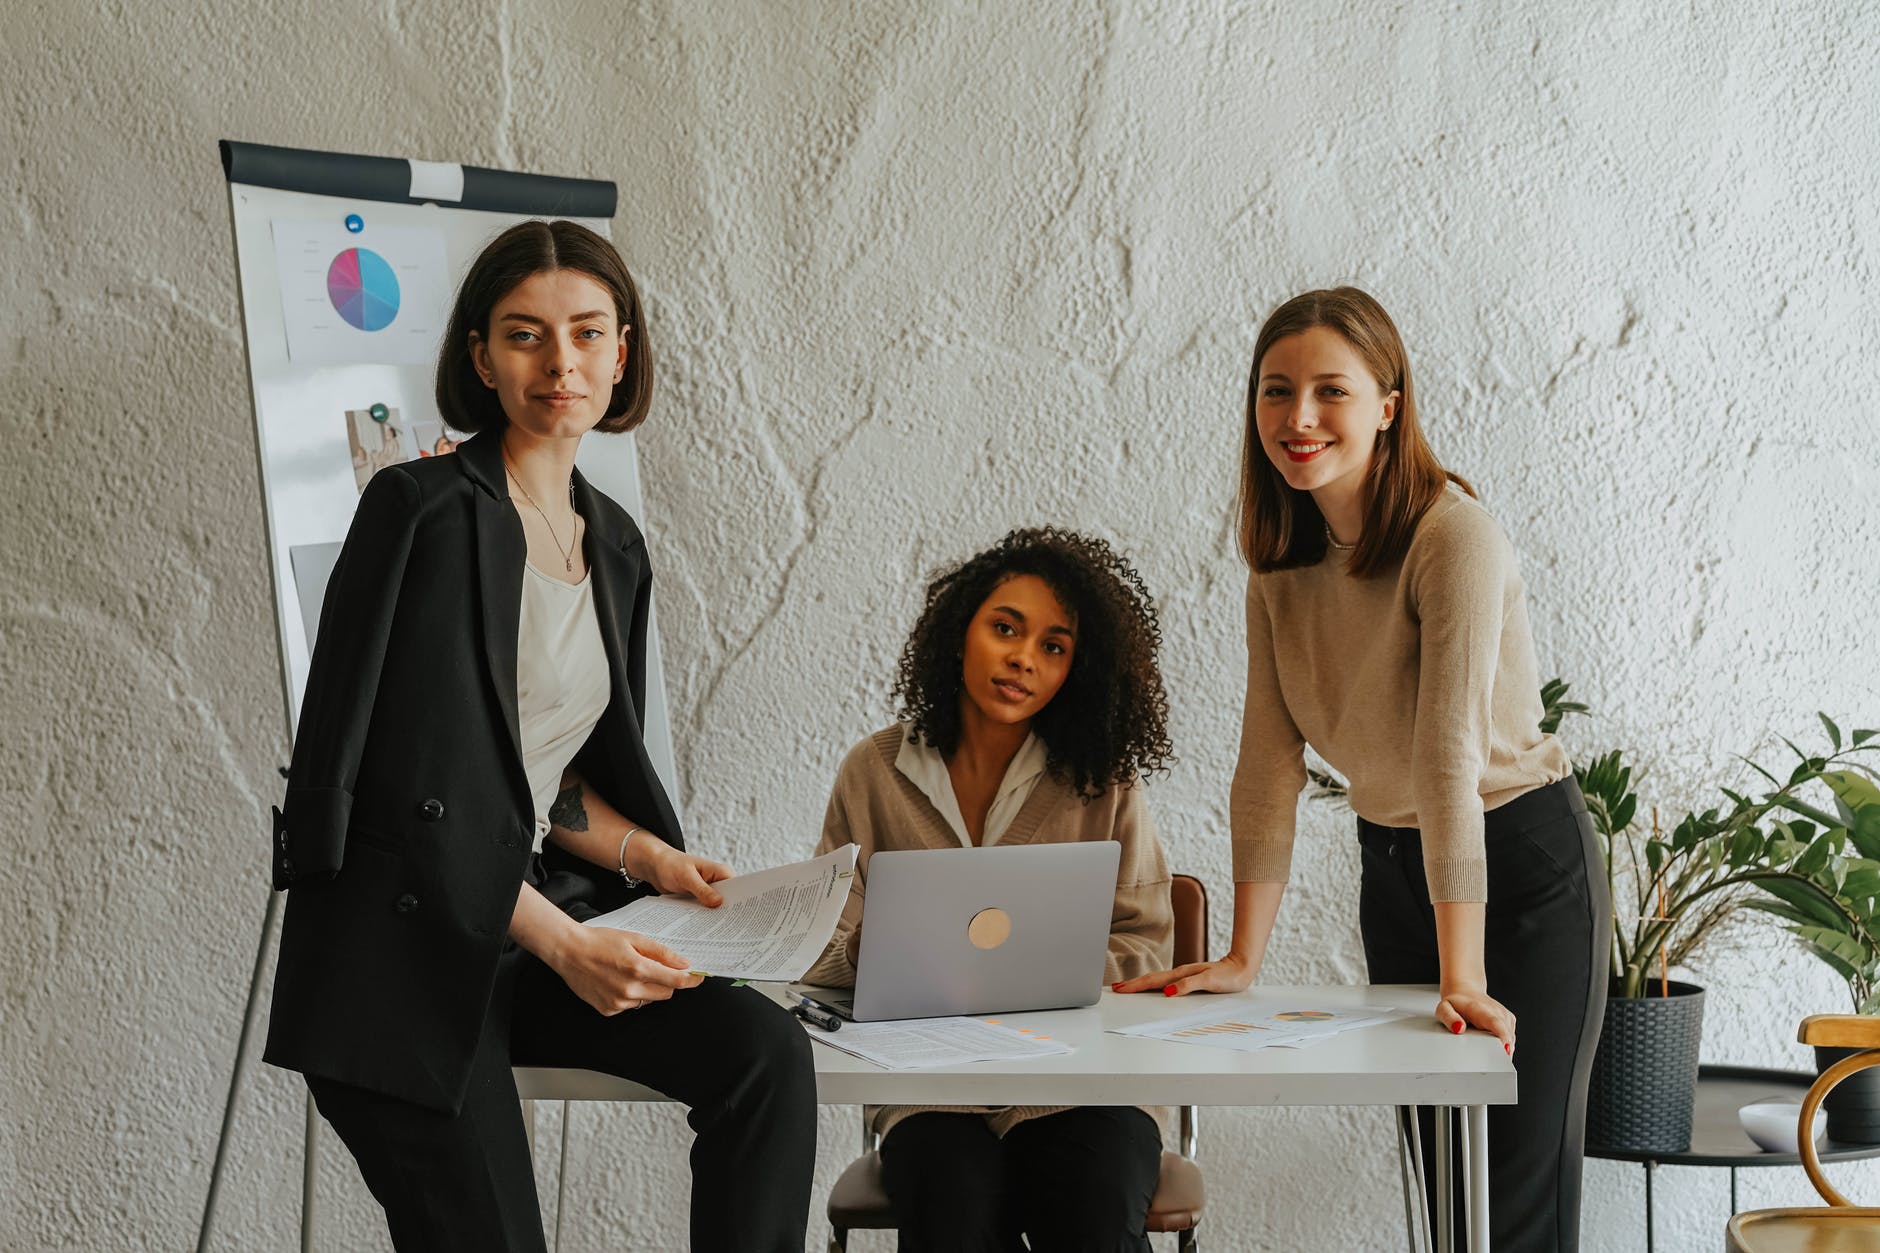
877, 808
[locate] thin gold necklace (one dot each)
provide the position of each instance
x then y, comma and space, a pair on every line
567, 554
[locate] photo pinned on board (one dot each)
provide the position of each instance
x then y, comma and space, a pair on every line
379, 437
378, 440
435, 439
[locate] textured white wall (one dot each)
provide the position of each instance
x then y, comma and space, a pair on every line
918, 273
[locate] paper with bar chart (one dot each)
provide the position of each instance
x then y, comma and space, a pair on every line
379, 294
1246, 1023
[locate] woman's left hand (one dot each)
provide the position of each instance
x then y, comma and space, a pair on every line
674, 872
1458, 1011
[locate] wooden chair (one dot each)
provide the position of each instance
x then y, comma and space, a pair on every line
1840, 1225
858, 1202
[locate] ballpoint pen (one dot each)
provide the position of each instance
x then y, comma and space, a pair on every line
816, 1014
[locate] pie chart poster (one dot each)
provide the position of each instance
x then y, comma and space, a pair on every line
376, 295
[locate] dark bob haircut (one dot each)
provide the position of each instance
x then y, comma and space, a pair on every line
525, 249
1108, 724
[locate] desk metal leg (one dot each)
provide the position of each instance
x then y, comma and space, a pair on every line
561, 1175
1445, 1185
310, 1143
1410, 1167
1733, 1192
1478, 1178
1651, 1242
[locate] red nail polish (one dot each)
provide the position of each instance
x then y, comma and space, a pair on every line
1117, 986
1508, 1049
1168, 989
1456, 1027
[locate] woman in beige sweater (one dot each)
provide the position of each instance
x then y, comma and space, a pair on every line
1387, 627
1031, 702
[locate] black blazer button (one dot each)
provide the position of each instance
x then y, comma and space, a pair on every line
406, 903
431, 810
287, 865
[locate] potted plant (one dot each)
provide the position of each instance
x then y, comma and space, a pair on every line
1837, 918
1672, 890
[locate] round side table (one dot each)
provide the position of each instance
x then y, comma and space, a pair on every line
1717, 1137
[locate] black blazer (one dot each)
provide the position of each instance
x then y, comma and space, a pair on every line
408, 821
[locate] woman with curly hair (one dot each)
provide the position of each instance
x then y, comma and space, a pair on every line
1031, 702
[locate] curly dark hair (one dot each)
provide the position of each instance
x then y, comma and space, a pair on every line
1108, 724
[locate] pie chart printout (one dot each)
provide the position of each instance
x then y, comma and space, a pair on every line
363, 288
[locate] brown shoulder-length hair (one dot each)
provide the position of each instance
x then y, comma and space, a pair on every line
1280, 526
525, 249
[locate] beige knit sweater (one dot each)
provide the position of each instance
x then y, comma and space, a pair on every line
1418, 685
877, 808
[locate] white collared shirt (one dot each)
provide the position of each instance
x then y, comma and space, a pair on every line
926, 769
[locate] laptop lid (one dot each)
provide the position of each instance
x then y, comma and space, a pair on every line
984, 930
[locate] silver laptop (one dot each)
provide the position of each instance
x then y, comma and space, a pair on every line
982, 931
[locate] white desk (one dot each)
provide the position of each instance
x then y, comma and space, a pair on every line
1408, 1062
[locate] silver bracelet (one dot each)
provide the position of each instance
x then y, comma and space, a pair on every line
622, 859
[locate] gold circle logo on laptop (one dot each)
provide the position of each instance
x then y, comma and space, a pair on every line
989, 928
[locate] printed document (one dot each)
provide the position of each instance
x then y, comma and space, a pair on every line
773, 924
924, 1043
1246, 1023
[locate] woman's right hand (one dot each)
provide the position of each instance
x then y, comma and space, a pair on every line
618, 970
1231, 973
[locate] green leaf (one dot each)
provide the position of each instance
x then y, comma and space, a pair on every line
1861, 737
1844, 946
1861, 884
1840, 965
1811, 862
1623, 811
1855, 789
1655, 851
1758, 769
1803, 898
1745, 846
1786, 912
1834, 732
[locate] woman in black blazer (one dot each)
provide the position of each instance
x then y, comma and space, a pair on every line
428, 946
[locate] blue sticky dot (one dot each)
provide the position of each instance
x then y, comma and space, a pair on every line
355, 223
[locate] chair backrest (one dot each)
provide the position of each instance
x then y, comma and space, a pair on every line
1188, 899
1849, 1031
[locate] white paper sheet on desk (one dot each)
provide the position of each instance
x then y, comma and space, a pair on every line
924, 1043
773, 924
1246, 1023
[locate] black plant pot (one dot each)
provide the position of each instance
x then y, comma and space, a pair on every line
1645, 1072
1854, 1105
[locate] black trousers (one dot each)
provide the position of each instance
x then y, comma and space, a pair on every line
1079, 1181
1546, 943
464, 1183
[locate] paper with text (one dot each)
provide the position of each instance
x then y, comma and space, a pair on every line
924, 1043
1246, 1023
773, 924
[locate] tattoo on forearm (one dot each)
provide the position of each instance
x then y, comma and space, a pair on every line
568, 812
